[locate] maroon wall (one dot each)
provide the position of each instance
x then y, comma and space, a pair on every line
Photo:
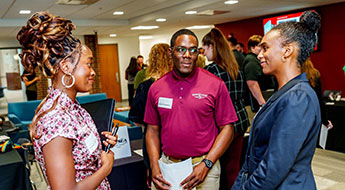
327, 59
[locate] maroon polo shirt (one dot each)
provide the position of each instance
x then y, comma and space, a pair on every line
189, 111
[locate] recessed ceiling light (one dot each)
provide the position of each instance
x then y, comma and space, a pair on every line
145, 37
231, 2
144, 27
200, 27
24, 12
112, 35
118, 13
161, 19
190, 12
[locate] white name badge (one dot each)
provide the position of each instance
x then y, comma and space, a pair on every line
165, 102
91, 142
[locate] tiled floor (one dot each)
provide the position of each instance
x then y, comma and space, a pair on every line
328, 167
329, 170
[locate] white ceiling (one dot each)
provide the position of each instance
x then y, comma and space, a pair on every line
98, 16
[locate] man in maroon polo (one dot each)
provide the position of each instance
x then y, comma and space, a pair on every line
189, 112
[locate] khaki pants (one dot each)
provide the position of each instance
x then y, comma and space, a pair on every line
250, 116
211, 181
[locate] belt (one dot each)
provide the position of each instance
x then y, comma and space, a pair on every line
196, 159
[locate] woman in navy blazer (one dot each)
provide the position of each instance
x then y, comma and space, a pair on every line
284, 131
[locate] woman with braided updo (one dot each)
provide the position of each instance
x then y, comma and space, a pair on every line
67, 145
285, 130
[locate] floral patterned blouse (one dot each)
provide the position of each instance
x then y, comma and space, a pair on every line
69, 120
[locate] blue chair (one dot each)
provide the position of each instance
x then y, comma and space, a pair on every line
91, 98
22, 113
134, 132
122, 116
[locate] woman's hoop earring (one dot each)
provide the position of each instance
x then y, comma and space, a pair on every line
63, 81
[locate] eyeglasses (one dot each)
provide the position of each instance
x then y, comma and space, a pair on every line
182, 50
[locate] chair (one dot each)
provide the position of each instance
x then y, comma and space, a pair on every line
22, 113
28, 156
122, 116
134, 132
2, 94
91, 98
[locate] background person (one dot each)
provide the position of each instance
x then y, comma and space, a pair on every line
159, 64
139, 77
66, 142
240, 48
253, 74
189, 113
141, 74
285, 130
238, 55
131, 71
313, 76
140, 62
30, 80
226, 68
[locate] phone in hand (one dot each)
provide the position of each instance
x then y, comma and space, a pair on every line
113, 134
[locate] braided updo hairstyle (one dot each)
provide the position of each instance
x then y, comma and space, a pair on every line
46, 40
303, 32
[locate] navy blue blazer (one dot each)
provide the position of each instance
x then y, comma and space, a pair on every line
282, 141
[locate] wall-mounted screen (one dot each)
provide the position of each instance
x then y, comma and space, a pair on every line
269, 23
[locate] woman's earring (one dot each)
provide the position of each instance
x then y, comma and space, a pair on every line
63, 80
284, 58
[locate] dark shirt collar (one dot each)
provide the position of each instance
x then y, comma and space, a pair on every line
302, 77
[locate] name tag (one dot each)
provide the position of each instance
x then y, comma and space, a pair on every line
165, 102
91, 142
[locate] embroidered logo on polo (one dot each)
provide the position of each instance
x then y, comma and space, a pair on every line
199, 95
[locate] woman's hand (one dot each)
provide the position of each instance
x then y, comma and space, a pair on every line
107, 160
110, 139
330, 125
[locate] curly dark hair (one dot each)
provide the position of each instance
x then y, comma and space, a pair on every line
303, 32
46, 40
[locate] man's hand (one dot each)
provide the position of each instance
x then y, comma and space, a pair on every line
196, 177
159, 181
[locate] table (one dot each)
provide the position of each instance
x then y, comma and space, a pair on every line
335, 112
134, 132
129, 173
13, 173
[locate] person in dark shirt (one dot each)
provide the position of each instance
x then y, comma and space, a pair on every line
131, 71
257, 81
159, 64
30, 80
238, 55
240, 48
